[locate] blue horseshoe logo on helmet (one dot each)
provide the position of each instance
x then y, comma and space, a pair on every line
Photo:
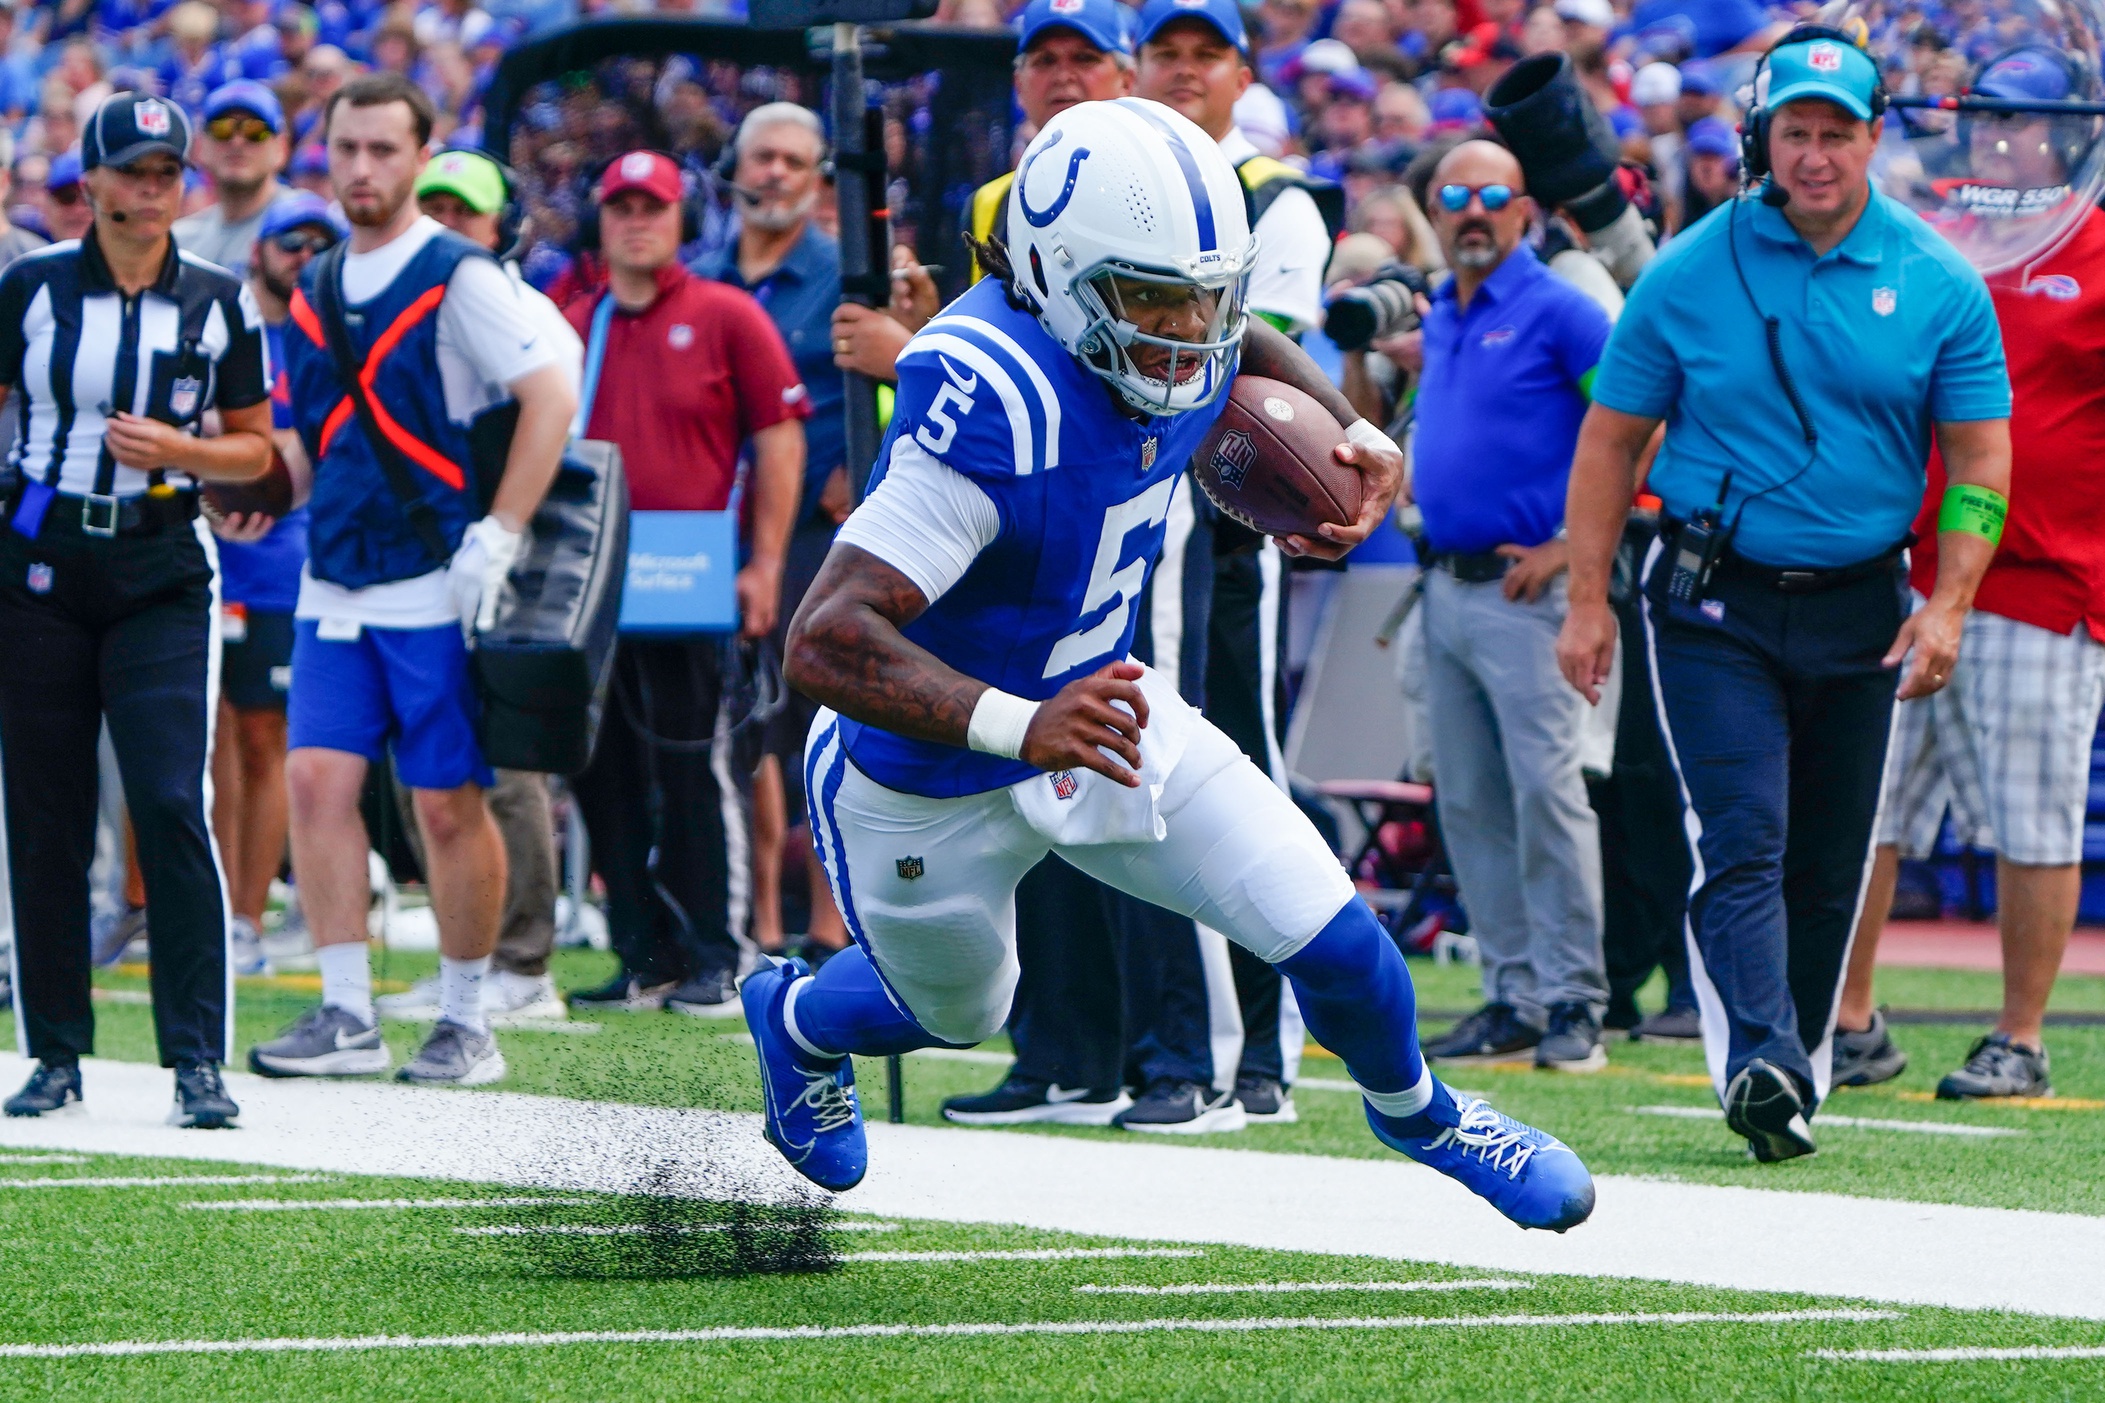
1039, 218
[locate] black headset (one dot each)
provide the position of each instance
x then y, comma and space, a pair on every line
725, 166
1754, 128
2071, 135
515, 220
690, 205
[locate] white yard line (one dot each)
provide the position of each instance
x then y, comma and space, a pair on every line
1377, 1207
161, 1181
1966, 1355
1912, 1127
302, 1205
641, 1229
939, 1054
1326, 1084
888, 1332
43, 1159
1031, 1254
1295, 1288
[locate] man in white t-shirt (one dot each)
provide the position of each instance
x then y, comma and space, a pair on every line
402, 562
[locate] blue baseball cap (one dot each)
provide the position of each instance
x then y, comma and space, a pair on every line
1455, 107
1699, 79
297, 210
2029, 73
1223, 15
127, 126
1103, 23
65, 171
1828, 69
245, 95
1708, 136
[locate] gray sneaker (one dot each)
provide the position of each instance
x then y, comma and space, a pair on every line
1494, 1033
1868, 1057
1998, 1067
1573, 1042
456, 1056
325, 1041
1672, 1025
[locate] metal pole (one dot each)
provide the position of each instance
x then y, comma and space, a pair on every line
858, 258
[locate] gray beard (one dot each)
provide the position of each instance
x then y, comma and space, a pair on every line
776, 219
1477, 256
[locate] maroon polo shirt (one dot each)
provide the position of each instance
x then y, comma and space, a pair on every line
683, 384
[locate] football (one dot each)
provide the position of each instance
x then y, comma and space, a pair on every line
1268, 463
270, 494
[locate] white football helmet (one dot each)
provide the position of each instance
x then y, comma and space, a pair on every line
1129, 239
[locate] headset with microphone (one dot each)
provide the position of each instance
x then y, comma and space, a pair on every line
690, 207
724, 169
1754, 128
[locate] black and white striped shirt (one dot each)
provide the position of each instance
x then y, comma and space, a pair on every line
73, 348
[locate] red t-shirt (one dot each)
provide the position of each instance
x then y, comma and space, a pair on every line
2050, 569
684, 383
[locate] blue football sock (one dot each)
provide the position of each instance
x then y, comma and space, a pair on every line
1356, 997
845, 1008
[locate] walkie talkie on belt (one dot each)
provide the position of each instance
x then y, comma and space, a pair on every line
1698, 546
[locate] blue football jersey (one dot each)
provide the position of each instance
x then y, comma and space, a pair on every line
1083, 493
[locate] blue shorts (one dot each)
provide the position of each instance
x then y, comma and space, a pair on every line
408, 687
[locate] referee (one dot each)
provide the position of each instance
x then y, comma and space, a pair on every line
114, 347
1800, 344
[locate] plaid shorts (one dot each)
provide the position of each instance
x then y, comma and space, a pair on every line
2005, 746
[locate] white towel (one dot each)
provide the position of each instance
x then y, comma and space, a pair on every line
1074, 808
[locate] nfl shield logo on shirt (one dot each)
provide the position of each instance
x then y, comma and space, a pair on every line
182, 397
1065, 785
911, 868
1884, 300
40, 579
152, 117
1147, 452
680, 336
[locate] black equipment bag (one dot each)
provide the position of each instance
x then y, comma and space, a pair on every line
543, 668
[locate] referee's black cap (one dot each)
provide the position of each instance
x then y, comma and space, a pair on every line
130, 125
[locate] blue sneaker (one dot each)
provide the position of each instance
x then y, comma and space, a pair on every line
1527, 1174
812, 1114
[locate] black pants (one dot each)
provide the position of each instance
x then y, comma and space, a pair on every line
1777, 712
666, 802
119, 628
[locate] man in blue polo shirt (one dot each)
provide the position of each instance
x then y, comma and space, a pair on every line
1799, 345
1509, 353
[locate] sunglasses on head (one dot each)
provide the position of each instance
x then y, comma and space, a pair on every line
304, 241
234, 125
1455, 198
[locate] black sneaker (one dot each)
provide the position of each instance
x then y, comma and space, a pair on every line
325, 1041
1173, 1107
1869, 1057
625, 993
455, 1056
201, 1100
1265, 1102
1764, 1104
1674, 1025
1622, 1014
713, 995
1573, 1042
52, 1089
1998, 1067
1494, 1033
1022, 1100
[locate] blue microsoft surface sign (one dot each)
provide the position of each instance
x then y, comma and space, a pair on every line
682, 569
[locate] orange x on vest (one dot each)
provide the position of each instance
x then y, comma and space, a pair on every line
412, 447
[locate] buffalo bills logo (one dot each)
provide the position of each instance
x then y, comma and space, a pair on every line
911, 868
2059, 286
1498, 336
151, 117
1065, 785
1066, 7
1234, 457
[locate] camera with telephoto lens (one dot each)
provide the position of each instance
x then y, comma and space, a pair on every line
1385, 305
1569, 155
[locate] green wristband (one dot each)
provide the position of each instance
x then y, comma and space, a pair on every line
1978, 511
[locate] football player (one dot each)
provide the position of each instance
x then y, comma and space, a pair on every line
968, 638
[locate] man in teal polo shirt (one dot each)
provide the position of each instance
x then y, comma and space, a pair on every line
1800, 344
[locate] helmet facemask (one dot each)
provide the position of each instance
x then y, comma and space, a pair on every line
1165, 340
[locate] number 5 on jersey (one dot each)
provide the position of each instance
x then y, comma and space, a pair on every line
1110, 583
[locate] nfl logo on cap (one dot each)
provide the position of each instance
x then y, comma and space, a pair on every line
151, 117
637, 165
1824, 57
1066, 7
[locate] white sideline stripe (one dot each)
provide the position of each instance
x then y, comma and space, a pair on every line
1229, 1288
1326, 1084
866, 1332
301, 1205
121, 996
43, 1159
1959, 1356
939, 1054
1912, 1127
1033, 1254
627, 1229
162, 1181
1718, 1235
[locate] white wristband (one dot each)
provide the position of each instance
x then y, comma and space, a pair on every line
998, 723
1361, 433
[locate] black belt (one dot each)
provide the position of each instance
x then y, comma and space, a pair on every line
1786, 580
141, 514
1470, 567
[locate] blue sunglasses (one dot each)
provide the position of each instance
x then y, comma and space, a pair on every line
1455, 198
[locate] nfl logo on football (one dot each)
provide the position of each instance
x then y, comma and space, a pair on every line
1233, 457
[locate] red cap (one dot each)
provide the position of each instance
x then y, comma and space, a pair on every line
647, 171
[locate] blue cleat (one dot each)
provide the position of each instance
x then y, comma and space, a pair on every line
812, 1114
1527, 1174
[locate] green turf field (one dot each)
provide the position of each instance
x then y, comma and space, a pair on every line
141, 1266
135, 1266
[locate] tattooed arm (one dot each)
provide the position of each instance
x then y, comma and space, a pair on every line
846, 651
